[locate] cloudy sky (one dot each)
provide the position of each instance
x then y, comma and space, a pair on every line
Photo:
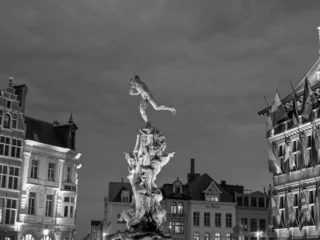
213, 60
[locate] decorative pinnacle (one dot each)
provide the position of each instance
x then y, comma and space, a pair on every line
10, 81
71, 118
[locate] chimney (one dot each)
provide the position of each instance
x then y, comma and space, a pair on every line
223, 183
122, 180
264, 190
192, 166
192, 176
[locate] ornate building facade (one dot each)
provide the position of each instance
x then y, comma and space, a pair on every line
38, 173
293, 139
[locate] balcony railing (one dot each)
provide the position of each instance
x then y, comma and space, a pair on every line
68, 187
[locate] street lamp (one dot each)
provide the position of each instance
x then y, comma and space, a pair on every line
46, 231
259, 234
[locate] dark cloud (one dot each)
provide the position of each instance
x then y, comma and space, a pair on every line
213, 60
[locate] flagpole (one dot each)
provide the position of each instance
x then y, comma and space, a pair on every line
294, 102
266, 101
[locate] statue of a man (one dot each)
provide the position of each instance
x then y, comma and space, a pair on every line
140, 88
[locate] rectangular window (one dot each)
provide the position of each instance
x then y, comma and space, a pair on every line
311, 196
262, 225
1, 209
196, 218
253, 202
65, 211
207, 219
239, 201
16, 148
34, 169
253, 225
246, 201
1, 117
51, 171
244, 223
68, 207
309, 141
261, 202
69, 169
32, 203
10, 210
13, 178
49, 205
218, 219
228, 220
295, 200
14, 120
8, 105
4, 145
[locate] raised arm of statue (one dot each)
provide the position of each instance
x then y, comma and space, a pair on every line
133, 91
166, 158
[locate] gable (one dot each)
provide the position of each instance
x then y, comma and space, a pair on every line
212, 188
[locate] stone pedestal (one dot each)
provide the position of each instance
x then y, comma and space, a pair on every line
145, 215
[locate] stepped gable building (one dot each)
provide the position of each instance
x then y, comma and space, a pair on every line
12, 132
38, 169
212, 211
119, 197
176, 201
293, 142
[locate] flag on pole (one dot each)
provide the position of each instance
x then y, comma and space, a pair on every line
275, 211
305, 158
274, 166
308, 100
295, 111
277, 111
304, 214
289, 163
290, 214
317, 206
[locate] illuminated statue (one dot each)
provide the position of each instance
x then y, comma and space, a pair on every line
140, 88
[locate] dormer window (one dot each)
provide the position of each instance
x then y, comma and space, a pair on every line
125, 196
211, 197
6, 122
177, 189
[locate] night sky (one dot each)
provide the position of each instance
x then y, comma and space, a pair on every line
213, 60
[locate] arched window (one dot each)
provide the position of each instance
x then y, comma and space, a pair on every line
228, 236
7, 238
207, 236
180, 208
196, 236
28, 237
46, 238
6, 122
217, 236
173, 208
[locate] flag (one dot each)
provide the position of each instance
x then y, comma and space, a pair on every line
305, 158
317, 206
304, 214
269, 125
290, 214
277, 111
315, 144
275, 211
308, 100
289, 163
274, 166
295, 111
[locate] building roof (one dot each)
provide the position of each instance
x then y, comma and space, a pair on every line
96, 223
313, 80
44, 132
199, 185
168, 193
115, 189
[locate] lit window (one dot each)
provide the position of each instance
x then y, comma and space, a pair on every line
207, 236
196, 236
6, 122
217, 236
28, 237
211, 197
180, 208
228, 236
173, 208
